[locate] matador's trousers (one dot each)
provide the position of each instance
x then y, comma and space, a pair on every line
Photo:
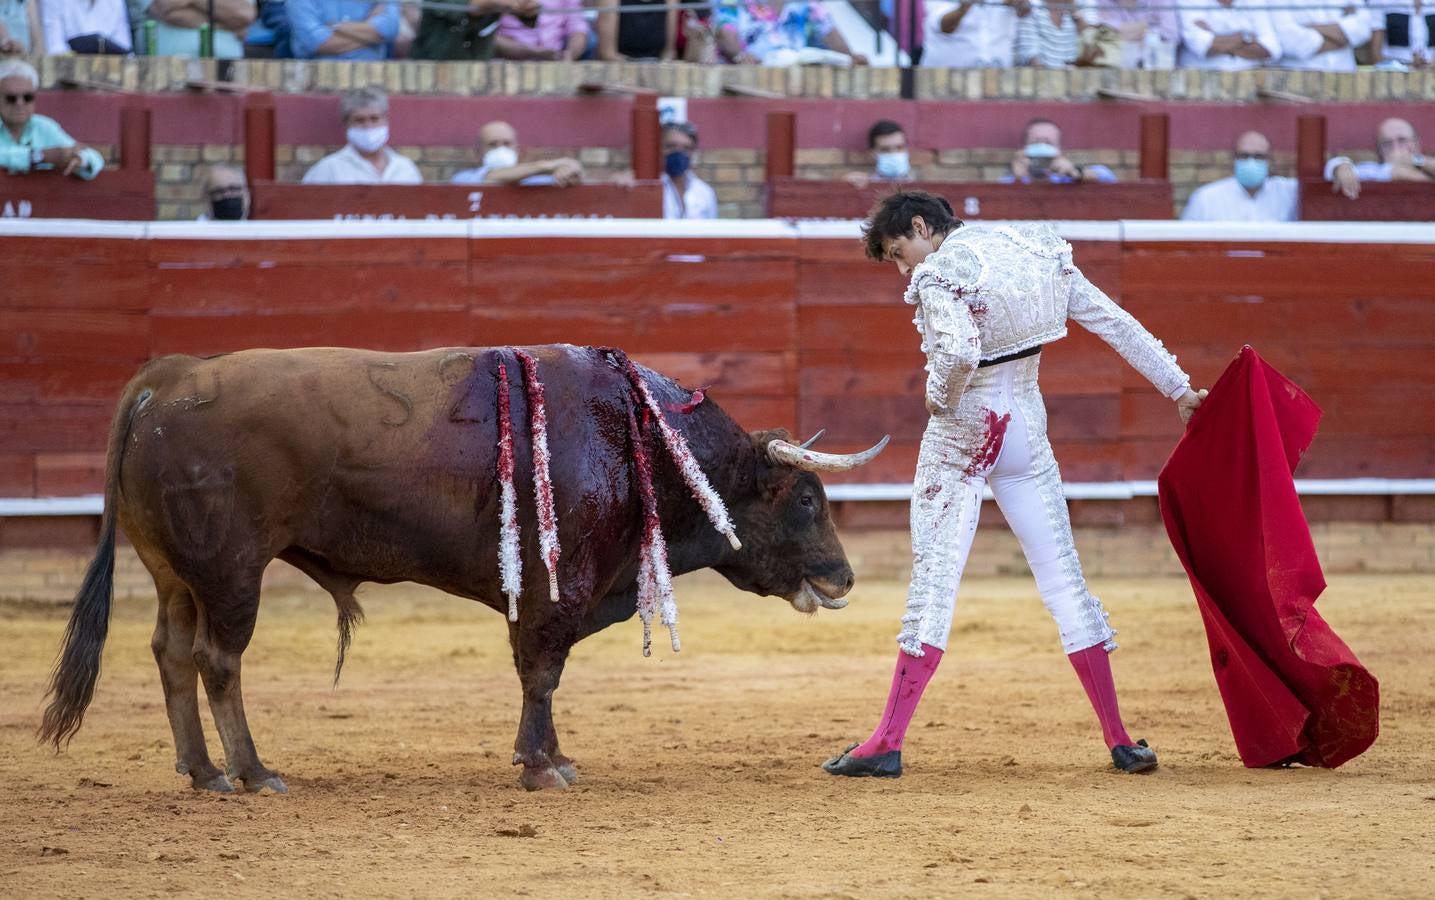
996, 435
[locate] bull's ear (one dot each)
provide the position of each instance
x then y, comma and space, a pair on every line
761, 439
772, 479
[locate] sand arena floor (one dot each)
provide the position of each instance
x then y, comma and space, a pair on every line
700, 770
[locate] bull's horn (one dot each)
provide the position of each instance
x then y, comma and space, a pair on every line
790, 454
812, 440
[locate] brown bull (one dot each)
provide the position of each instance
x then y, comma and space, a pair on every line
360, 466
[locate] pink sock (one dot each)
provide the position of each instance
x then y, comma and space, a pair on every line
908, 682
1093, 667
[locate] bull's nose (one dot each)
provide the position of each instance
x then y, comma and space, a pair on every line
836, 583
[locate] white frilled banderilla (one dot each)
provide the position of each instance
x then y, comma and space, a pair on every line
655, 580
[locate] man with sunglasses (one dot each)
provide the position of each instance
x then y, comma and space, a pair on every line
30, 142
1251, 194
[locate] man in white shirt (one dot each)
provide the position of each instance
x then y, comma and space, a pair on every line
971, 35
1400, 160
1320, 37
685, 195
367, 158
1227, 34
499, 143
1402, 31
1252, 194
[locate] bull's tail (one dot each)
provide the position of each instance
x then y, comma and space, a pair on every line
72, 684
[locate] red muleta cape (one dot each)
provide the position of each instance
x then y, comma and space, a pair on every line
1294, 692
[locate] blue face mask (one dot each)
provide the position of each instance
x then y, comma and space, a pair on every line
894, 164
1251, 173
676, 163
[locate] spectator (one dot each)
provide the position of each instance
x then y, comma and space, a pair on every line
775, 33
972, 34
268, 37
85, 26
638, 35
685, 195
367, 158
1252, 194
1226, 34
887, 144
176, 31
1316, 36
1040, 160
1400, 160
29, 141
561, 32
469, 34
1051, 36
1401, 31
499, 144
19, 27
1146, 32
342, 29
226, 195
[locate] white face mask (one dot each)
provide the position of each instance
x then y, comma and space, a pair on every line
500, 158
894, 164
368, 140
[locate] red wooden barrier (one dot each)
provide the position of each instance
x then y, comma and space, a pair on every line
1394, 201
274, 200
117, 194
259, 136
793, 198
1155, 146
787, 331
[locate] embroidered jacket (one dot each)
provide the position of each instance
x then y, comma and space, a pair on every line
990, 292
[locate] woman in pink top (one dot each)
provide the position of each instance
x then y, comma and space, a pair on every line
559, 34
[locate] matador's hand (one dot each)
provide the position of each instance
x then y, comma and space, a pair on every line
1188, 403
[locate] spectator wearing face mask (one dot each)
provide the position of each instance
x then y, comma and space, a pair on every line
30, 141
226, 195
887, 144
1041, 161
1251, 194
1400, 160
685, 195
498, 142
367, 157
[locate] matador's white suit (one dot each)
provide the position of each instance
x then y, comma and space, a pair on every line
983, 297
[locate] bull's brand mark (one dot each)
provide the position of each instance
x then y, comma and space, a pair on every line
375, 371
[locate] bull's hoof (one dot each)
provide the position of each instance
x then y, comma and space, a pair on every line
565, 767
543, 779
273, 783
218, 782
883, 765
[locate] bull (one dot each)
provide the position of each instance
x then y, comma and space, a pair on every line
358, 466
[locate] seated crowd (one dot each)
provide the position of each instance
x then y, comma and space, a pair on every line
1212, 34
33, 142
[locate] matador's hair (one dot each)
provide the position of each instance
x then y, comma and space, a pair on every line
893, 214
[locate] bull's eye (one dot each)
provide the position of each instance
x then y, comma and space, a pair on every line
807, 501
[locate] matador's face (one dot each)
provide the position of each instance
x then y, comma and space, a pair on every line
909, 251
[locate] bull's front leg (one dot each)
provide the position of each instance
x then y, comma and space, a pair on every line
539, 653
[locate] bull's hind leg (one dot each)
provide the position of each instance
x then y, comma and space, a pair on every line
226, 623
539, 654
173, 645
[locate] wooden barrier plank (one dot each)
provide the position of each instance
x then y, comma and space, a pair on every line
795, 198
1324, 317
72, 334
1397, 201
54, 427
707, 329
759, 413
54, 281
634, 286
310, 288
69, 474
114, 194
274, 200
52, 380
395, 330
17, 474
278, 253
649, 248
737, 373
